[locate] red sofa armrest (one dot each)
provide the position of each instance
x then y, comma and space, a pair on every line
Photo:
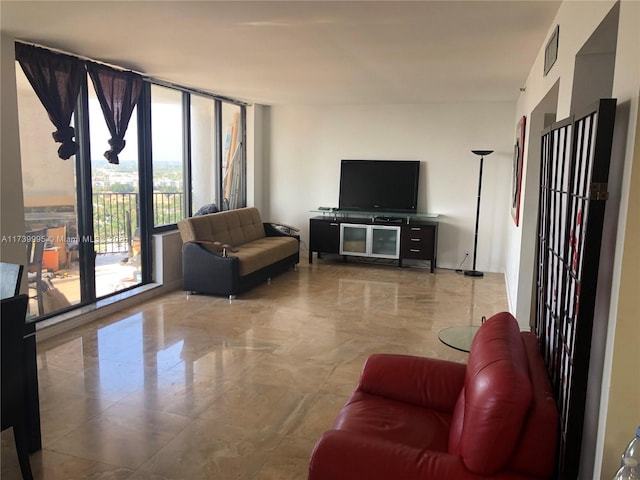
425, 382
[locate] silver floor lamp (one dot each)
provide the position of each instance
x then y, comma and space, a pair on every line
474, 272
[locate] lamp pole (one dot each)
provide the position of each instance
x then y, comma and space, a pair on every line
474, 272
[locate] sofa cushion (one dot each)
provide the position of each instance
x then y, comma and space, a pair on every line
395, 422
233, 227
263, 252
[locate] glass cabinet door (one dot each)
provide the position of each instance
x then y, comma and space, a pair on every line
370, 240
385, 242
353, 239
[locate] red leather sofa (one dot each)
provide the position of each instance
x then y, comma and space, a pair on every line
422, 418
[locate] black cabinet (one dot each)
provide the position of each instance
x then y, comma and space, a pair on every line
324, 236
418, 238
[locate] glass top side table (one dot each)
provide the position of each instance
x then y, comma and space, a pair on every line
459, 337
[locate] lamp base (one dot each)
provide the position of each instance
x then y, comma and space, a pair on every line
473, 273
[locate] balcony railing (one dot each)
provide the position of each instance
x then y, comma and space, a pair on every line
168, 208
114, 215
116, 218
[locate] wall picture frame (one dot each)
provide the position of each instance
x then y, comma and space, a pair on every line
518, 163
551, 50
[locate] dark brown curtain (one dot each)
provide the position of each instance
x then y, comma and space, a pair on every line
118, 94
56, 79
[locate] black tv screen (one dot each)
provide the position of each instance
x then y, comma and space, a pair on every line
379, 185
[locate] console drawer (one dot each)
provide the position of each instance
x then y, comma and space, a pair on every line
418, 232
417, 242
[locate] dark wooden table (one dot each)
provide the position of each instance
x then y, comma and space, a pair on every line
31, 395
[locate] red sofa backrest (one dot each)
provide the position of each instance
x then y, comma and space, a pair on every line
536, 452
493, 406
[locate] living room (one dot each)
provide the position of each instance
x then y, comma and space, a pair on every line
291, 142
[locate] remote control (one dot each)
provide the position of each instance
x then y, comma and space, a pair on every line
324, 208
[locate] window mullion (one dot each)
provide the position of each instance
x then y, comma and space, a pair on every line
186, 161
84, 198
145, 173
218, 152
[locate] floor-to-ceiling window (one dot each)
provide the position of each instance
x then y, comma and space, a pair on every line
49, 186
205, 178
167, 153
93, 212
233, 149
115, 204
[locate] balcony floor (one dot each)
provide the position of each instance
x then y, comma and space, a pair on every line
111, 276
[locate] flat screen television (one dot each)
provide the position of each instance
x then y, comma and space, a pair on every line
379, 185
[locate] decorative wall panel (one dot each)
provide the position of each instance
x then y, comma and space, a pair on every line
573, 189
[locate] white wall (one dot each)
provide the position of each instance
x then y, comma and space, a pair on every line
11, 201
620, 405
308, 142
577, 20
257, 156
167, 259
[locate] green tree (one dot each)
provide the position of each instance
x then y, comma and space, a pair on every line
122, 188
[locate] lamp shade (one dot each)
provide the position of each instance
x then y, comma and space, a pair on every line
482, 153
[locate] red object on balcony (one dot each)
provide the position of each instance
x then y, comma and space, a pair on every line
421, 418
51, 259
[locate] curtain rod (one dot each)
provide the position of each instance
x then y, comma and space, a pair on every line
145, 77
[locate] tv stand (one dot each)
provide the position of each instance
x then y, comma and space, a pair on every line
405, 236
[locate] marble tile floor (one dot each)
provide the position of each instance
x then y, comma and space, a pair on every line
198, 387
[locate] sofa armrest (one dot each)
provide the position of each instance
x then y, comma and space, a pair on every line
342, 455
426, 382
279, 230
206, 271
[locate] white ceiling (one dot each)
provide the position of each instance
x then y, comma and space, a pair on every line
304, 52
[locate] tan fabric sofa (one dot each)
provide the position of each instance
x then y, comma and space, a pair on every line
228, 252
